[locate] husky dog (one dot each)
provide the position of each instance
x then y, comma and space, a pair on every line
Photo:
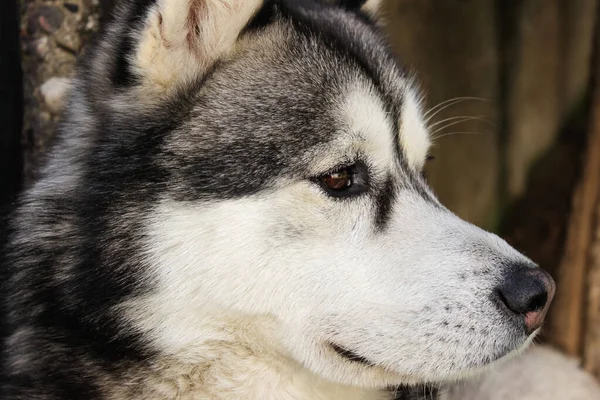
235, 209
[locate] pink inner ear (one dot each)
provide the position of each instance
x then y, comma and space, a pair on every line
162, 31
197, 8
231, 5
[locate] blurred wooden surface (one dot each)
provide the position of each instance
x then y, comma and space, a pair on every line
580, 18
533, 96
591, 344
452, 46
591, 301
567, 319
575, 322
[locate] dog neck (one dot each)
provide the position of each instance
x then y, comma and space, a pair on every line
230, 358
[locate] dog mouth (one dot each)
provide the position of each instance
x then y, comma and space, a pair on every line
351, 356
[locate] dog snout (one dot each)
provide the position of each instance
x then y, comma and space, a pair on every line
527, 291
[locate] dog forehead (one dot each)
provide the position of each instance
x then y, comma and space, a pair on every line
292, 107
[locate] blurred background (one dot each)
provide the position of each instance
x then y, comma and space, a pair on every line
513, 104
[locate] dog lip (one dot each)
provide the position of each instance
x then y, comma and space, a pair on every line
350, 355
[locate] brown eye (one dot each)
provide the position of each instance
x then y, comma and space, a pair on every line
345, 181
338, 180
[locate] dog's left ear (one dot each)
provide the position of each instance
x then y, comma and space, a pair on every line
370, 7
181, 39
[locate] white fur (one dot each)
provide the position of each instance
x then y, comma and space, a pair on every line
414, 136
540, 374
363, 130
372, 7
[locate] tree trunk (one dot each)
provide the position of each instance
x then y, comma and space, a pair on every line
591, 352
53, 33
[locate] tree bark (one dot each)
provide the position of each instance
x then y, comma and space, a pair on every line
591, 352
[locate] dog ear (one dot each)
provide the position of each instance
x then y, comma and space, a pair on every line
370, 7
181, 39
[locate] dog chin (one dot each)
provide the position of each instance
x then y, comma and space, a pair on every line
474, 373
395, 378
516, 352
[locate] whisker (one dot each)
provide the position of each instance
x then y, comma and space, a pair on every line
462, 118
448, 103
454, 133
459, 122
452, 100
431, 390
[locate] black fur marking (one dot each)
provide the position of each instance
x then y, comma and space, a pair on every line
385, 204
350, 355
417, 392
312, 18
270, 11
249, 155
417, 184
121, 75
55, 383
122, 170
70, 313
264, 17
352, 4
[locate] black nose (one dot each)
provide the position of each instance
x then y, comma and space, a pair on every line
527, 291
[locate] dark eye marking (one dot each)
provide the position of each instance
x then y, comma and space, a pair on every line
385, 204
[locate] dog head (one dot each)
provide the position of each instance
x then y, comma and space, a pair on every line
278, 150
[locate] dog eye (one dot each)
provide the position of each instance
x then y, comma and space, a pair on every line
338, 180
345, 181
